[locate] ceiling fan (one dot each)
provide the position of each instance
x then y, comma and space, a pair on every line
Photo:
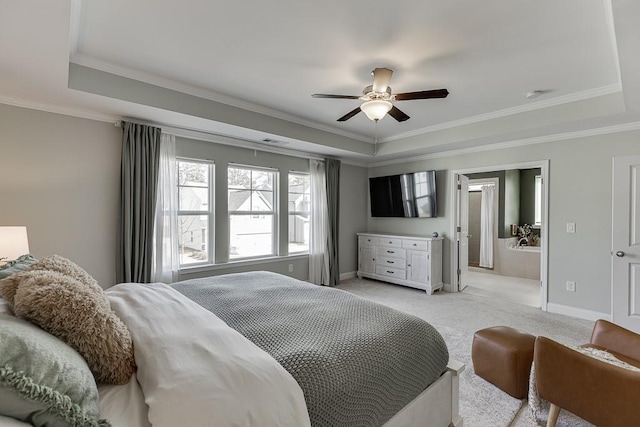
378, 98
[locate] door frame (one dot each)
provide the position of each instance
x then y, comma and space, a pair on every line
544, 230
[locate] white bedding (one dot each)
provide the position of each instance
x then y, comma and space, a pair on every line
195, 370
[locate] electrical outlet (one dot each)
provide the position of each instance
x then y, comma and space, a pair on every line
571, 286
571, 227
290, 268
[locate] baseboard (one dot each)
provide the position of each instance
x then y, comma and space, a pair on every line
446, 287
347, 275
580, 313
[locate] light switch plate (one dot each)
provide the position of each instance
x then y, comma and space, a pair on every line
571, 286
571, 227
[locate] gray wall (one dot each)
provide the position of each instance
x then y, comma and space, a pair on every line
60, 176
354, 187
511, 201
583, 257
528, 195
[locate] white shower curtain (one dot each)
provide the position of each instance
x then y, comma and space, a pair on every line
486, 226
318, 259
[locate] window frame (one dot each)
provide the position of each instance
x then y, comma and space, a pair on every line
211, 212
289, 213
537, 195
274, 212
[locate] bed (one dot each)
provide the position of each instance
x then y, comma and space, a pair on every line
262, 349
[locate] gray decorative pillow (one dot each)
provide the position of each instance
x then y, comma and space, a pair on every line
81, 316
43, 381
16, 266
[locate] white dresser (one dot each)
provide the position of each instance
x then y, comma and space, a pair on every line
407, 260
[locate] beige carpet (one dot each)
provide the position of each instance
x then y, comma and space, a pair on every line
457, 316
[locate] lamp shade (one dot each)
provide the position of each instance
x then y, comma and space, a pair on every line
376, 109
13, 242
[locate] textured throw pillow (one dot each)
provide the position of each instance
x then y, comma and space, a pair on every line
81, 316
15, 266
68, 268
43, 381
9, 285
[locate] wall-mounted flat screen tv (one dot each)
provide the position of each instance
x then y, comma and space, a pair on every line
410, 195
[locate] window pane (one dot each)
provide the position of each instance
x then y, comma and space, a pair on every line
239, 178
193, 199
193, 174
299, 204
192, 238
299, 233
262, 201
262, 180
250, 235
239, 200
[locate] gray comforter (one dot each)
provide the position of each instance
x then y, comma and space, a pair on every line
357, 362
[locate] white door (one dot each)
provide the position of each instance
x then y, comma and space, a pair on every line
463, 231
367, 259
418, 266
625, 299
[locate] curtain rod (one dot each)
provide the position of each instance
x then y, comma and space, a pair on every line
208, 136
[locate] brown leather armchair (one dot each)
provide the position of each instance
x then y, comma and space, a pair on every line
598, 392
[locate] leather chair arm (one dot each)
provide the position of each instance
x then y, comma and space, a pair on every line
601, 393
616, 339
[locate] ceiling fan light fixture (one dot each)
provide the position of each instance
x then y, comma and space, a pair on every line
376, 109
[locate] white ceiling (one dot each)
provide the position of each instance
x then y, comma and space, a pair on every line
267, 58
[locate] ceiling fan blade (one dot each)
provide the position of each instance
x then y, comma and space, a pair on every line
349, 115
322, 95
398, 114
423, 94
381, 79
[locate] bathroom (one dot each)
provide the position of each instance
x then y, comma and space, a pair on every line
513, 204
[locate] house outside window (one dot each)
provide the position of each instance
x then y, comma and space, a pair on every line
299, 207
538, 201
252, 195
195, 212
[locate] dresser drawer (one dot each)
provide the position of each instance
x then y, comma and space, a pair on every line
418, 245
391, 252
368, 240
393, 242
391, 272
391, 262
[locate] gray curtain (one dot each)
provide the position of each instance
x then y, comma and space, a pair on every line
138, 186
333, 206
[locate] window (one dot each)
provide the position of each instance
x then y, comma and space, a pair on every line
538, 201
252, 214
299, 212
195, 213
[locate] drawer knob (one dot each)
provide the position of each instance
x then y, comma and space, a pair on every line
391, 262
390, 252
390, 242
390, 272
415, 244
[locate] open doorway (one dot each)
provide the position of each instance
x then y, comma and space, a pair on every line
501, 242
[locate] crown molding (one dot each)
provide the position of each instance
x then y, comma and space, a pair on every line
578, 96
201, 92
56, 109
626, 127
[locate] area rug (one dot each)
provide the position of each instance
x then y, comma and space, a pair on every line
457, 316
